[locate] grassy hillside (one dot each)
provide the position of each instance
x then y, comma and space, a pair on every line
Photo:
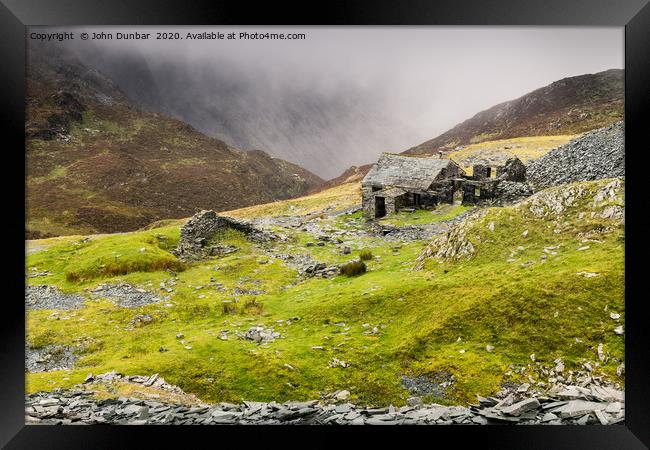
572, 105
497, 152
338, 198
522, 289
98, 163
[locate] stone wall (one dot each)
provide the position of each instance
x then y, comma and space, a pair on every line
200, 230
390, 205
453, 170
512, 191
477, 191
481, 171
367, 202
513, 170
443, 191
428, 200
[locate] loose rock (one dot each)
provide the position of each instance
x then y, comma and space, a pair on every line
50, 297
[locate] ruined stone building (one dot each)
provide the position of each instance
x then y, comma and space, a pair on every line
398, 182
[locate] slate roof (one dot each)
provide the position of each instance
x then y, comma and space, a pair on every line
405, 171
392, 192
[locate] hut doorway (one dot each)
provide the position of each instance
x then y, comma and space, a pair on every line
458, 193
380, 207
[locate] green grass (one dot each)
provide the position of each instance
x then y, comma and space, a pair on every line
91, 122
353, 268
75, 262
424, 216
337, 198
56, 172
365, 254
483, 137
420, 315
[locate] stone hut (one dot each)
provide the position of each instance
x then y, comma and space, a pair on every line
399, 181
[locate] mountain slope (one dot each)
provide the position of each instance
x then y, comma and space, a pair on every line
569, 106
350, 175
320, 123
97, 163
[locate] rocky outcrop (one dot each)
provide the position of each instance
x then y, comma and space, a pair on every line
453, 245
604, 199
600, 199
597, 154
66, 110
199, 233
307, 266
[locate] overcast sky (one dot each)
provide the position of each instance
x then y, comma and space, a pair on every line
391, 87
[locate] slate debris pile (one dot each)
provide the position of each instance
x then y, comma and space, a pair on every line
562, 405
418, 232
75, 406
149, 381
125, 295
570, 404
49, 357
422, 385
597, 154
50, 297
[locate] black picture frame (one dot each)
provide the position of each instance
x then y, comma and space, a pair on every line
15, 15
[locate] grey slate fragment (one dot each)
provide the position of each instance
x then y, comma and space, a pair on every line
521, 407
577, 408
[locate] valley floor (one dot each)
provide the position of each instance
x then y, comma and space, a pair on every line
455, 303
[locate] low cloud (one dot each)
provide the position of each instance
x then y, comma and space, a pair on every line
343, 95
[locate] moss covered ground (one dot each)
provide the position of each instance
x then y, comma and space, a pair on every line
512, 293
